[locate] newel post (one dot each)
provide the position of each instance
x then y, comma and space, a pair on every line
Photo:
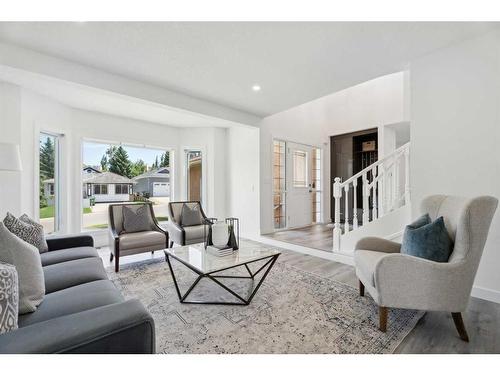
337, 194
407, 175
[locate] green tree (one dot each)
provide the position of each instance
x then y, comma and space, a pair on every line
165, 159
138, 167
47, 159
104, 163
155, 164
119, 162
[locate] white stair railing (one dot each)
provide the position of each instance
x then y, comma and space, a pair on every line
385, 186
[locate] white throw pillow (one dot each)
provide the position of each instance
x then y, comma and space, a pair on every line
26, 259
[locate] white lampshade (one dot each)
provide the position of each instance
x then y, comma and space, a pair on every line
10, 157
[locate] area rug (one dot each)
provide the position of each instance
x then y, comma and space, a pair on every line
293, 312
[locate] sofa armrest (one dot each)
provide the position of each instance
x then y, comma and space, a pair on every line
125, 327
409, 282
175, 232
378, 244
69, 241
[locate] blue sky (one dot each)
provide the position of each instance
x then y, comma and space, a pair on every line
93, 152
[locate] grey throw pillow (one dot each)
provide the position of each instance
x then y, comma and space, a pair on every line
26, 259
27, 230
428, 240
9, 298
191, 215
136, 218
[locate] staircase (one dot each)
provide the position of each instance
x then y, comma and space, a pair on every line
385, 199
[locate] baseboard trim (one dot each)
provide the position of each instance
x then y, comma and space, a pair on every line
486, 294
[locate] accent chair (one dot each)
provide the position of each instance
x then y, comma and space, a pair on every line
123, 243
397, 280
179, 233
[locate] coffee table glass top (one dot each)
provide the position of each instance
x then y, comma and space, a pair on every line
197, 257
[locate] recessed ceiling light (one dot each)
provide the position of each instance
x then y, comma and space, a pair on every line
256, 88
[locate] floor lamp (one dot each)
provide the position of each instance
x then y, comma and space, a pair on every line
10, 159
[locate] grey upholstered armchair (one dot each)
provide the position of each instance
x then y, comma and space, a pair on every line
179, 233
403, 281
151, 238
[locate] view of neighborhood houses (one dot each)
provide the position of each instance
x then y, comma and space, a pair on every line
110, 174
120, 173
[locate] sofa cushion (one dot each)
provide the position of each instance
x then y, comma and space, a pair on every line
74, 272
191, 215
136, 218
141, 239
9, 298
26, 259
27, 230
73, 300
430, 241
59, 256
194, 233
366, 261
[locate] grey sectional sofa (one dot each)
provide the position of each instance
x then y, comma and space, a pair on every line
82, 311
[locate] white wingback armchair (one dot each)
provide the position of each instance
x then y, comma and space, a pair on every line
403, 281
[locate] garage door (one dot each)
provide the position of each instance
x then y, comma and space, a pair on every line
161, 189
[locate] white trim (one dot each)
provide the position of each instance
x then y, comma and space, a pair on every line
336, 257
394, 235
486, 294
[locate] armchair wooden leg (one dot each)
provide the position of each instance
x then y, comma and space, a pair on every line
171, 244
117, 264
153, 252
361, 289
382, 315
460, 326
111, 257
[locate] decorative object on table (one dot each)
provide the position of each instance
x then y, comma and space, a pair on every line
227, 230
220, 234
234, 240
9, 298
368, 146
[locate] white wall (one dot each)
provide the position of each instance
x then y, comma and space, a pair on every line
372, 104
243, 179
23, 114
455, 98
10, 114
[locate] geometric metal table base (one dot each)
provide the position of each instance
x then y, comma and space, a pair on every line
266, 267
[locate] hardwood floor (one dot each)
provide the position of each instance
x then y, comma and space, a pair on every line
434, 333
317, 236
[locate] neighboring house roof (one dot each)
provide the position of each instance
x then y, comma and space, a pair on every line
107, 178
88, 167
159, 173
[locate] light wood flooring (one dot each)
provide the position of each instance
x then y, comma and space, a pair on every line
434, 333
317, 236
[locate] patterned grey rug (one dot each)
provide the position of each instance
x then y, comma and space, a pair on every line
293, 312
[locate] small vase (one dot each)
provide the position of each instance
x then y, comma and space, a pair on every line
220, 234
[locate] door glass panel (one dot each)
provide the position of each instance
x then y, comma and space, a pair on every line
279, 184
194, 175
299, 168
316, 185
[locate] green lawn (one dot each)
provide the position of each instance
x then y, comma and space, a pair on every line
47, 212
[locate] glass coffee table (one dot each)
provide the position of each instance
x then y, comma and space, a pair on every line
214, 268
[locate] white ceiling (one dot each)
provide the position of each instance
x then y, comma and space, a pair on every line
219, 62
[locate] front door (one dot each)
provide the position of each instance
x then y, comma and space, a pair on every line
299, 182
